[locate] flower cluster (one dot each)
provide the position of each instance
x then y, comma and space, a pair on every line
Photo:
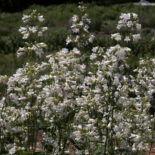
100, 103
36, 96
60, 105
31, 31
21, 110
145, 79
108, 113
80, 35
128, 28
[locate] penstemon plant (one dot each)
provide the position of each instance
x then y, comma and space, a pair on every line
98, 104
110, 117
80, 37
30, 33
128, 28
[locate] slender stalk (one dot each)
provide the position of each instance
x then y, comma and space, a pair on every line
59, 142
111, 139
107, 132
150, 149
0, 141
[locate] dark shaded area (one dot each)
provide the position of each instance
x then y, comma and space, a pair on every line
18, 5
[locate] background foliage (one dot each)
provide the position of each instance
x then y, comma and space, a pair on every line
16, 5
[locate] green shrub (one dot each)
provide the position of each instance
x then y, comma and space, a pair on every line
7, 64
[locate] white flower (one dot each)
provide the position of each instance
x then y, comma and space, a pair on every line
127, 39
127, 49
119, 26
41, 18
136, 37
135, 16
129, 24
41, 45
44, 29
30, 92
116, 36
75, 30
20, 51
94, 49
75, 18
68, 40
51, 60
77, 38
125, 16
93, 56
39, 52
44, 77
91, 38
76, 51
25, 18
33, 29
88, 20
26, 35
86, 27
116, 80
81, 23
138, 26
40, 34
121, 54
22, 30
12, 150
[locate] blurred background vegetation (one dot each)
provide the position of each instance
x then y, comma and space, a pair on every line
103, 14
16, 5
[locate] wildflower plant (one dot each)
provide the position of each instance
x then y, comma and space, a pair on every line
45, 98
95, 104
128, 28
3, 86
60, 95
80, 36
109, 117
30, 33
23, 110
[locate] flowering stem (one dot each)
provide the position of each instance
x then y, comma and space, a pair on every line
112, 129
107, 131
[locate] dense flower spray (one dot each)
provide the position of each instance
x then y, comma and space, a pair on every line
30, 32
46, 97
98, 104
80, 35
110, 117
128, 28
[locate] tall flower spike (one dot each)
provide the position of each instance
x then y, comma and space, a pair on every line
30, 30
80, 35
128, 28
